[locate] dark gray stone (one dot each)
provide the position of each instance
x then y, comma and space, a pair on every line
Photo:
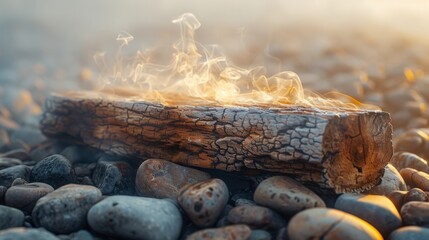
136, 218
114, 177
260, 235
64, 210
54, 170
10, 217
22, 233
8, 175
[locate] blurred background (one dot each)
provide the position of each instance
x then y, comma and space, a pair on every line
374, 51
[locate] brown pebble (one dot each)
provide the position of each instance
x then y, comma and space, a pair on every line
403, 160
397, 198
25, 196
415, 213
256, 217
415, 178
415, 194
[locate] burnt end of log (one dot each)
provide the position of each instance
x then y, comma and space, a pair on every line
344, 150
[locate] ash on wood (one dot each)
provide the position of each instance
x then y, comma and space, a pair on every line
344, 150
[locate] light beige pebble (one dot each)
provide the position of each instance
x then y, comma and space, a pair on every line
391, 181
401, 160
377, 210
285, 195
415, 178
330, 224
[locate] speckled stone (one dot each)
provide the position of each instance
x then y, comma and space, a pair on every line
256, 217
233, 232
391, 181
415, 213
64, 210
377, 210
116, 177
203, 202
129, 217
54, 170
332, 224
21, 233
25, 196
285, 195
163, 179
8, 175
410, 233
10, 217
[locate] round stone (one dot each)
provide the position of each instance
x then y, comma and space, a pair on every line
391, 181
10, 217
397, 198
285, 195
9, 162
21, 233
54, 170
233, 232
402, 160
256, 217
377, 210
64, 210
332, 224
410, 232
415, 178
8, 175
415, 213
132, 217
25, 196
163, 179
203, 202
415, 194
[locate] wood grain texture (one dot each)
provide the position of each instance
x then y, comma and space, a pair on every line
344, 150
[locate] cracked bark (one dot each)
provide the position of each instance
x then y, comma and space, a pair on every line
344, 150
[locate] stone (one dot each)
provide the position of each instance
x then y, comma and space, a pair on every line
282, 234
9, 162
413, 141
22, 233
256, 217
243, 201
133, 217
260, 235
163, 179
8, 175
233, 232
18, 154
3, 190
391, 181
397, 198
25, 196
415, 194
114, 177
54, 170
64, 210
79, 235
285, 195
84, 169
377, 210
329, 224
415, 213
415, 178
10, 217
410, 232
203, 202
402, 160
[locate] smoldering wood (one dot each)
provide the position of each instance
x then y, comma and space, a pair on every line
343, 150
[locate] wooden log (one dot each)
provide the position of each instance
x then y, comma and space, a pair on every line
344, 150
